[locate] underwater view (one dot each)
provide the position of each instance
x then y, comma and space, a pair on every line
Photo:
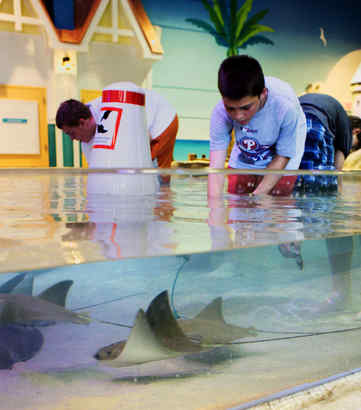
120, 291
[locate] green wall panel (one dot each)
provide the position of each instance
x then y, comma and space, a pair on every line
52, 145
68, 151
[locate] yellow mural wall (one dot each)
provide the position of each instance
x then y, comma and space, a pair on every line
38, 95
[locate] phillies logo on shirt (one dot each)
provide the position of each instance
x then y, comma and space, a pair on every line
248, 144
251, 151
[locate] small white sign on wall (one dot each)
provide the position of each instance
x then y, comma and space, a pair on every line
19, 127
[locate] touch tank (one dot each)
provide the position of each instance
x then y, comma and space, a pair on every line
111, 299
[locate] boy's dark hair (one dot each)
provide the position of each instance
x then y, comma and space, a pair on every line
240, 76
70, 112
355, 121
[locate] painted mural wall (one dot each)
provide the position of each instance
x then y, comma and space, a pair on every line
29, 61
316, 43
32, 58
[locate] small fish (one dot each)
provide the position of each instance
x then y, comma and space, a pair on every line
157, 335
18, 344
292, 250
323, 37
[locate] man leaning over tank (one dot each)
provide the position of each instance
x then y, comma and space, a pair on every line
79, 121
328, 140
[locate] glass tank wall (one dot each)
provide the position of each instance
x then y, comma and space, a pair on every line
117, 291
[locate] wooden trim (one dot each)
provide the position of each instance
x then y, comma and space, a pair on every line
28, 94
76, 36
72, 36
89, 95
50, 20
147, 27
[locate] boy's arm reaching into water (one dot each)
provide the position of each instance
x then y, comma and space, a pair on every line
216, 181
269, 181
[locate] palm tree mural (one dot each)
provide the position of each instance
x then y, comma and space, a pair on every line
231, 26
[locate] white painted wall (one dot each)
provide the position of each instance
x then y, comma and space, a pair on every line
107, 63
19, 127
27, 60
356, 107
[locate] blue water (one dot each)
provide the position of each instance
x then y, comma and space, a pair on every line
184, 147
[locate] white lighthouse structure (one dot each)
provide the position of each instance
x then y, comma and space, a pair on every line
356, 92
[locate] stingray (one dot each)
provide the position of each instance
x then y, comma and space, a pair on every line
18, 344
210, 328
157, 335
46, 308
22, 283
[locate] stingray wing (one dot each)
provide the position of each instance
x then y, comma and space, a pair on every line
142, 346
29, 310
57, 293
210, 328
22, 283
165, 327
18, 344
213, 311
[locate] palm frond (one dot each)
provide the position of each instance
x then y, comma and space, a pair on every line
218, 11
218, 24
256, 17
223, 6
233, 19
232, 51
241, 16
252, 31
230, 27
203, 25
222, 41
